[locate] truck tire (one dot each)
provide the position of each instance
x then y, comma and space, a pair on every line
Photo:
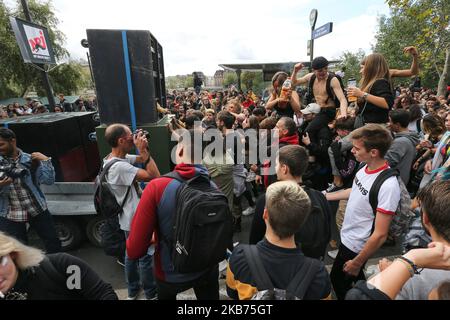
69, 233
93, 230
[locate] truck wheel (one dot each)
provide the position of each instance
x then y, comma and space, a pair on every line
69, 233
93, 230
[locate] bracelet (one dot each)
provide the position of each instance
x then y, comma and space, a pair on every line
408, 266
411, 264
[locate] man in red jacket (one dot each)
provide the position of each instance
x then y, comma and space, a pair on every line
153, 222
287, 135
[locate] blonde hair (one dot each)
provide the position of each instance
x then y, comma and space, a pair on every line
26, 257
288, 206
375, 68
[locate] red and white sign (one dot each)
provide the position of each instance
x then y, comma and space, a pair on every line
36, 41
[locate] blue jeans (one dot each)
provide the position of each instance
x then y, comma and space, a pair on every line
141, 270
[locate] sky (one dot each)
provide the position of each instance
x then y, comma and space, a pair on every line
198, 35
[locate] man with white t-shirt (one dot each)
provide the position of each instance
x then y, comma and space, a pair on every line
123, 178
362, 232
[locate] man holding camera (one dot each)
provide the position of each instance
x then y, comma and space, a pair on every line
123, 178
21, 199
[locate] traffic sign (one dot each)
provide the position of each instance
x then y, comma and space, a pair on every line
308, 52
323, 30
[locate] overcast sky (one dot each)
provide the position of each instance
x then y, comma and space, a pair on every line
198, 35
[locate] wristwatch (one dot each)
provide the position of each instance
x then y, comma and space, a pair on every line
365, 95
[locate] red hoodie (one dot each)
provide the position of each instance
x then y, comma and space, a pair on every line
282, 142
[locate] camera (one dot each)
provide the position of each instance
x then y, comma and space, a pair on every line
11, 170
146, 134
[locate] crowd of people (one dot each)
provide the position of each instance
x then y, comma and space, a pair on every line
35, 106
362, 157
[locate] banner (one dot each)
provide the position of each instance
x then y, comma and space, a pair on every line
33, 41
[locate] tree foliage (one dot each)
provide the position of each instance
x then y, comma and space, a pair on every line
422, 23
351, 61
252, 80
229, 79
17, 77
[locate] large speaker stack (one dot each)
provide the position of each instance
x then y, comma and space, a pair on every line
128, 68
65, 137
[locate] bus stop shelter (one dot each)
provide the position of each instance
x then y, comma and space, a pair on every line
268, 69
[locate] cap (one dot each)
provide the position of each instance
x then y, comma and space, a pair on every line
311, 108
319, 63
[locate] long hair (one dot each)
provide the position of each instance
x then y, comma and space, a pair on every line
375, 68
26, 257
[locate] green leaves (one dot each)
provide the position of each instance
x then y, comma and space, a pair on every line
422, 23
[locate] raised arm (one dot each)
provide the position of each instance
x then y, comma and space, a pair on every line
414, 70
303, 80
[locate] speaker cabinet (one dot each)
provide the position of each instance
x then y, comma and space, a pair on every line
112, 52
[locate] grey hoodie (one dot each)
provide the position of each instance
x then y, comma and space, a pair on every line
402, 153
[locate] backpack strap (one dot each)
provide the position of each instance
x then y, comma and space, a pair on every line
375, 189
330, 91
302, 280
257, 269
311, 87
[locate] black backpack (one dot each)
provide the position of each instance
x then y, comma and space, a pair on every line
296, 289
202, 227
315, 233
113, 239
104, 200
310, 94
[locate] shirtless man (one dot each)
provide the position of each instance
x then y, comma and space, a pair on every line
327, 104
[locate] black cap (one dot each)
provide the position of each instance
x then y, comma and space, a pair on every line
319, 63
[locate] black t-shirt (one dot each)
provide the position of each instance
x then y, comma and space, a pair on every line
258, 227
373, 114
285, 112
281, 264
51, 283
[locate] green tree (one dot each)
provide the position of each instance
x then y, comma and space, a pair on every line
229, 79
252, 80
424, 24
18, 77
188, 82
351, 61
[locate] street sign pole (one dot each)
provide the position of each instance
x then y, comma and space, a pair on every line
46, 81
312, 19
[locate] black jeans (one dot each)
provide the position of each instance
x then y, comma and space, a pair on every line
42, 223
321, 120
205, 288
341, 281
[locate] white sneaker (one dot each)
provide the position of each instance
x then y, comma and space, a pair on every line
333, 254
249, 211
133, 297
